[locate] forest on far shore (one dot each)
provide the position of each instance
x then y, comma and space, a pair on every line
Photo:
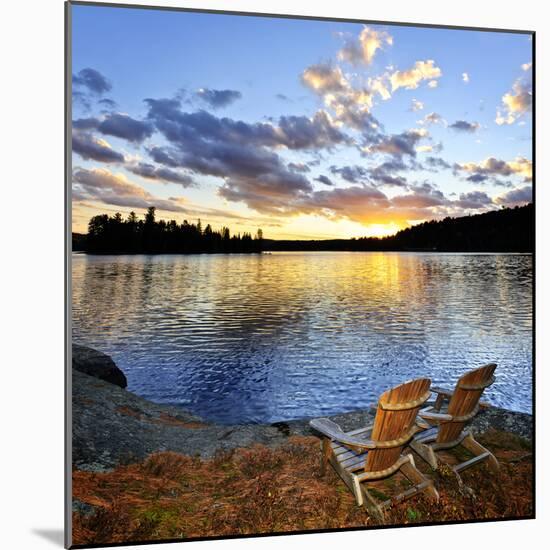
505, 230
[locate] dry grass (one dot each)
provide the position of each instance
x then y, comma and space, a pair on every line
261, 490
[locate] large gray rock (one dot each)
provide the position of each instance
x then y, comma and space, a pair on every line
112, 426
97, 364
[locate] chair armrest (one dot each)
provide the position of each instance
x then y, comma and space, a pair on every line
484, 405
331, 430
442, 395
422, 424
442, 391
429, 414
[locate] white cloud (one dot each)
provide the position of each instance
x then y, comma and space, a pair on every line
370, 41
379, 85
491, 167
417, 105
411, 78
515, 103
465, 78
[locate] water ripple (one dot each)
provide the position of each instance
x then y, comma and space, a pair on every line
262, 338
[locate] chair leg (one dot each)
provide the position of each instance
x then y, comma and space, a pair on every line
477, 449
425, 452
350, 480
421, 482
375, 509
325, 454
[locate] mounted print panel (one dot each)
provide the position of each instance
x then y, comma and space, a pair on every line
301, 275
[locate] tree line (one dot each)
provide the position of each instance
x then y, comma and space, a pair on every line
115, 235
505, 230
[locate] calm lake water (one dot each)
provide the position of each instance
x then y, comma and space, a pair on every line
264, 338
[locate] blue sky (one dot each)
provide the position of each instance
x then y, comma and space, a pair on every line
304, 128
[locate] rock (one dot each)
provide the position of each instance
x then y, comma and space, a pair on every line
83, 508
112, 426
97, 364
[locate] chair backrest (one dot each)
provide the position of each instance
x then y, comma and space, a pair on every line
465, 399
395, 417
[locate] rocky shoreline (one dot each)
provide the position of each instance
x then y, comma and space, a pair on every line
113, 426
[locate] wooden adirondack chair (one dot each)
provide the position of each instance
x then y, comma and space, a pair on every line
374, 452
447, 429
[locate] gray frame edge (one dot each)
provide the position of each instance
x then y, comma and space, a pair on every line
68, 285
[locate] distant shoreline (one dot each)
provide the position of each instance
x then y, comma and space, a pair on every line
509, 230
269, 252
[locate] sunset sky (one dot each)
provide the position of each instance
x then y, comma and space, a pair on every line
307, 129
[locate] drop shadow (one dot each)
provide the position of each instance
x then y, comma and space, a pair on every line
55, 536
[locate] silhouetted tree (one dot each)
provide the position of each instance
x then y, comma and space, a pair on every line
113, 235
504, 230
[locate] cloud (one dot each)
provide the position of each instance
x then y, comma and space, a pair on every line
162, 174
324, 180
363, 51
379, 85
465, 126
299, 167
218, 98
432, 84
515, 103
366, 204
117, 125
432, 118
477, 178
90, 123
82, 99
323, 78
91, 148
492, 167
162, 156
240, 152
107, 103
358, 203
398, 144
125, 127
104, 186
301, 132
283, 97
422, 196
527, 66
516, 197
93, 80
416, 105
352, 174
387, 179
437, 163
268, 192
201, 132
465, 78
383, 174
351, 106
411, 79
386, 173
473, 200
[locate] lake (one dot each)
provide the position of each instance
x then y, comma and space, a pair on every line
265, 338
